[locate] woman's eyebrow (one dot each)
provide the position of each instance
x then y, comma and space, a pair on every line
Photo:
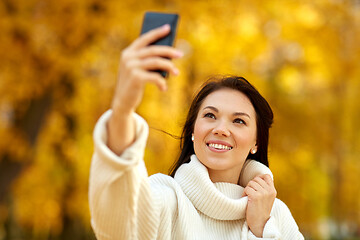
212, 108
234, 114
242, 114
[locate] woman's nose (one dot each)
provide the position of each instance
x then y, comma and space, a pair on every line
221, 129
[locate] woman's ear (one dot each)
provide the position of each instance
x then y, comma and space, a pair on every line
254, 149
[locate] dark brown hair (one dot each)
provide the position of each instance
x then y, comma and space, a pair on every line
264, 117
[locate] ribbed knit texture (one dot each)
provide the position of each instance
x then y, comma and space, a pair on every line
126, 204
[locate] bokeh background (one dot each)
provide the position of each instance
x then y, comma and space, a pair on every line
58, 68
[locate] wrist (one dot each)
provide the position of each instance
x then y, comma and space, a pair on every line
121, 131
121, 110
257, 231
119, 115
258, 228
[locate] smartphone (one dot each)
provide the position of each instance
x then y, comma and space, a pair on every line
156, 19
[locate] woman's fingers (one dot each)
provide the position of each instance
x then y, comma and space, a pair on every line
262, 184
157, 50
157, 79
256, 186
136, 64
267, 178
158, 63
151, 36
264, 181
248, 191
139, 70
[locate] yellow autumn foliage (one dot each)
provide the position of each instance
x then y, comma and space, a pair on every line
58, 71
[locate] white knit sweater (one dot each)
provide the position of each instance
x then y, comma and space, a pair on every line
127, 204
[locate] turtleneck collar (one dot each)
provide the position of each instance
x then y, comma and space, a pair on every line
221, 201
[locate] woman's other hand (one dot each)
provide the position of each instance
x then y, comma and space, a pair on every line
261, 195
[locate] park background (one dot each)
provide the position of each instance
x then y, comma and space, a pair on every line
58, 69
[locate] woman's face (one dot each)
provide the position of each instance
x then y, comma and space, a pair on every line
225, 133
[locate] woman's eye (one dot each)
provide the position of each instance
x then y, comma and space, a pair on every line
209, 115
240, 121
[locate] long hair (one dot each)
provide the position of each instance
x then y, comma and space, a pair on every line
264, 118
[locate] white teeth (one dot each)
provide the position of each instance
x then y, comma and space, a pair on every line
219, 146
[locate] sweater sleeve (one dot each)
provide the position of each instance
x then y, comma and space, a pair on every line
280, 226
121, 203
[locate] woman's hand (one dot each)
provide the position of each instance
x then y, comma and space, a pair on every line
261, 194
136, 63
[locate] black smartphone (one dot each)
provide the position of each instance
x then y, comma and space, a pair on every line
156, 19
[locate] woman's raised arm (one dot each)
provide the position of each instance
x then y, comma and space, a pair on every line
136, 63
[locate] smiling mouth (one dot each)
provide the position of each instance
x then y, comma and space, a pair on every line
219, 146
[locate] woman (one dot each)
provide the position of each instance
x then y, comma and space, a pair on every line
216, 191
